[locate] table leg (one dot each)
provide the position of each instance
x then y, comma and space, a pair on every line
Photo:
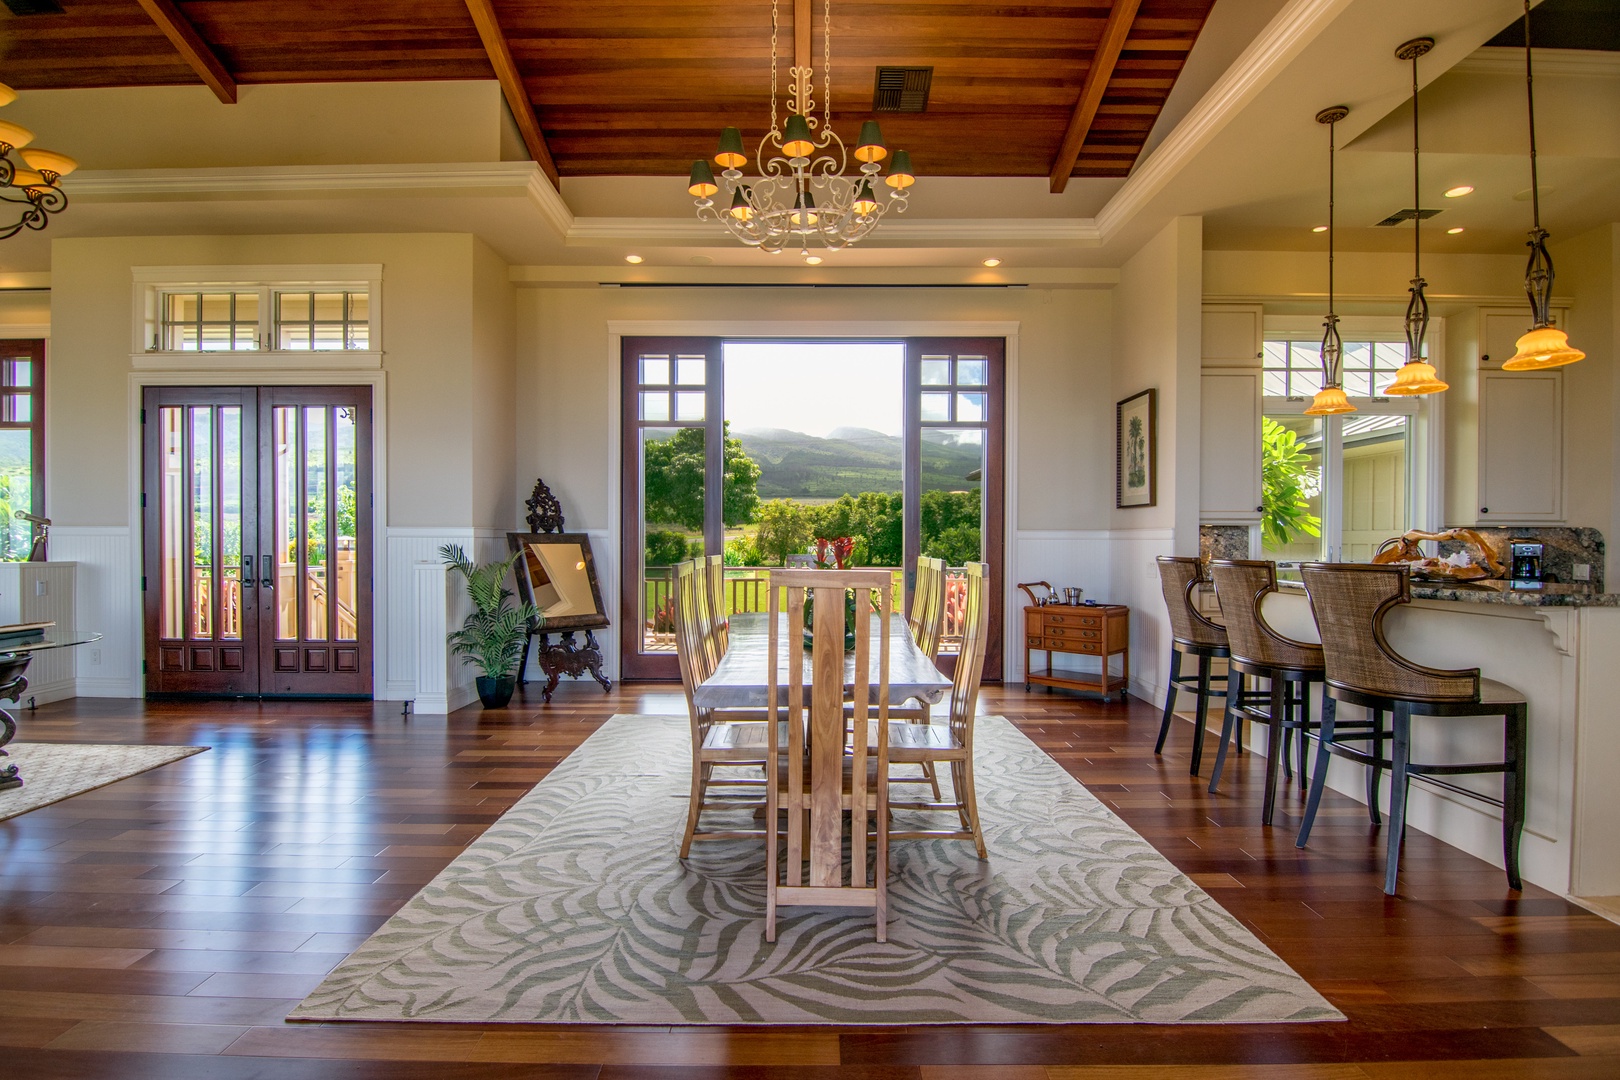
11, 670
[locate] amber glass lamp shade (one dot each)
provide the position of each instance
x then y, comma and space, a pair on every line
1329, 401
7, 94
730, 155
741, 208
702, 185
1544, 347
49, 161
27, 178
871, 147
1416, 377
796, 140
15, 135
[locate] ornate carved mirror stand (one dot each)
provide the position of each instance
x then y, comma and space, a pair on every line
558, 575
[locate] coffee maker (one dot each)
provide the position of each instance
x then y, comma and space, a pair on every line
1525, 565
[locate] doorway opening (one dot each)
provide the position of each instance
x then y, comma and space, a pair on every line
257, 541
752, 449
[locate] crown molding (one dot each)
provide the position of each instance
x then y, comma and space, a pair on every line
275, 180
798, 277
683, 232
1283, 39
1500, 60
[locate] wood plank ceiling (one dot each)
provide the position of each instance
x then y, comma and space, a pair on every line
641, 87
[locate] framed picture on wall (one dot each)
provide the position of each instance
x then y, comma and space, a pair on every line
1136, 439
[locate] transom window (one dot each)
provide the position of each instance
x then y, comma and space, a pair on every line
210, 321
1293, 369
259, 309
323, 320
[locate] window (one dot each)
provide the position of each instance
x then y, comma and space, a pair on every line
22, 445
1336, 487
257, 309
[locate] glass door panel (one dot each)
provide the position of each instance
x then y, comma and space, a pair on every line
197, 491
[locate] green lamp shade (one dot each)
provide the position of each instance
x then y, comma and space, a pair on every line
871, 147
797, 140
730, 154
865, 203
804, 211
741, 208
702, 185
900, 175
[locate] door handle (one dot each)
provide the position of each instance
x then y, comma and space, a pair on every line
268, 581
247, 572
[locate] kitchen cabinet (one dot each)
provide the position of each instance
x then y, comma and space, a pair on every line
1232, 335
1521, 442
1229, 445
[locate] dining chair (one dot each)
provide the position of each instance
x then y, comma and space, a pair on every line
714, 570
733, 739
1350, 602
817, 772
951, 743
1192, 635
1259, 652
927, 615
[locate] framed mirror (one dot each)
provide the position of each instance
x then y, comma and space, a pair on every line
557, 574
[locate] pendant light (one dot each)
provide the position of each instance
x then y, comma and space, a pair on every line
1545, 345
1330, 399
1417, 375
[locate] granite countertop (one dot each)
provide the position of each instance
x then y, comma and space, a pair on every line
1497, 592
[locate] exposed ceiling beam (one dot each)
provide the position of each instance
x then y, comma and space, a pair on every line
517, 98
1115, 31
196, 51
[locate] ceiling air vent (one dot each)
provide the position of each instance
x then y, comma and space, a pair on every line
902, 89
1406, 215
34, 7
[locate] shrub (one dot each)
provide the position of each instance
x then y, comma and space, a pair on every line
666, 548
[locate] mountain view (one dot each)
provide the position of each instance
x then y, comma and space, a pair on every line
852, 460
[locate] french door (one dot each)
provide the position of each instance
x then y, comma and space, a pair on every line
257, 540
678, 460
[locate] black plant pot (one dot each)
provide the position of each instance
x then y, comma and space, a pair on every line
495, 693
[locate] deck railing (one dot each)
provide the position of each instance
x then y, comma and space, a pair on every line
747, 589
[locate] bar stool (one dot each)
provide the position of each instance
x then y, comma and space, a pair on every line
1191, 635
1258, 651
1350, 602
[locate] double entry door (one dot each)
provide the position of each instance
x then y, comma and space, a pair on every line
258, 540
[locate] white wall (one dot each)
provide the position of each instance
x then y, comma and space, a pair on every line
1158, 323
1588, 268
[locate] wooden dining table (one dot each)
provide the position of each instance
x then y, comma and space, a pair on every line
739, 682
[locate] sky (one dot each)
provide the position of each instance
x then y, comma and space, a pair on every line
814, 387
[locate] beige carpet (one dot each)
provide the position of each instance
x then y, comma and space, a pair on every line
574, 908
52, 772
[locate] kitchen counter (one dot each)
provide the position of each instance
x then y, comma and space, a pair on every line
1498, 592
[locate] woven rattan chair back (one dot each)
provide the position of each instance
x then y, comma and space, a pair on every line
1178, 576
1242, 586
1350, 601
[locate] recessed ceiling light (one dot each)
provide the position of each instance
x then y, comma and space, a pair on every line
813, 260
702, 260
1455, 231
632, 258
992, 262
1459, 191
1319, 228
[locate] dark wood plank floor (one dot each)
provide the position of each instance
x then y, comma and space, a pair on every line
163, 926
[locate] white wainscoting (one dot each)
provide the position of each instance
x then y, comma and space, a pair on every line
1064, 557
424, 602
42, 592
106, 598
1134, 578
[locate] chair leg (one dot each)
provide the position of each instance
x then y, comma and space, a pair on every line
1398, 784
970, 799
1229, 719
1276, 750
1304, 716
1375, 772
770, 855
1513, 790
1319, 775
1198, 713
700, 784
1169, 699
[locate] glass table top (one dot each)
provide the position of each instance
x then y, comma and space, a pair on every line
55, 637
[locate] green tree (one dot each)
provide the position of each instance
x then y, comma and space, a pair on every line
785, 527
874, 518
1288, 482
674, 480
666, 548
950, 512
956, 545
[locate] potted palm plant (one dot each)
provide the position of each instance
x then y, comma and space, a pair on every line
494, 635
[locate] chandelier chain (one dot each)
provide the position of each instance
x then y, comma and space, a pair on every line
775, 22
1530, 97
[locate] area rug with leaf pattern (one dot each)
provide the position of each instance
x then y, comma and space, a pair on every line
574, 908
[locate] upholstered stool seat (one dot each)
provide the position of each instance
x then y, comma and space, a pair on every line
1350, 602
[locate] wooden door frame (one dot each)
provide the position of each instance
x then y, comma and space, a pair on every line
377, 379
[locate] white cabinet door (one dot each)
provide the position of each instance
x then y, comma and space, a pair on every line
1231, 335
1521, 442
1229, 473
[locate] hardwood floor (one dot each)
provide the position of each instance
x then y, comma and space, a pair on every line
163, 926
